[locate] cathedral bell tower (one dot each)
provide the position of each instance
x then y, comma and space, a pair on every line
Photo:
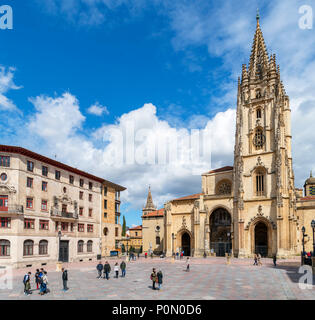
263, 179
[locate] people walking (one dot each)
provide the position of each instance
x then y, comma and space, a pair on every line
255, 260
259, 259
37, 279
99, 269
274, 260
160, 279
123, 268
116, 269
107, 270
145, 255
187, 264
153, 278
64, 279
27, 283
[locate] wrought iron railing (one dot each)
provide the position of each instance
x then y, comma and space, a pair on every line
62, 214
13, 208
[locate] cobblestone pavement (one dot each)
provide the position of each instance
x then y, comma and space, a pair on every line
208, 279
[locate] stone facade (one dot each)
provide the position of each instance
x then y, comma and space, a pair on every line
48, 210
252, 207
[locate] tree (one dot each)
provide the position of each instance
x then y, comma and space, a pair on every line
123, 231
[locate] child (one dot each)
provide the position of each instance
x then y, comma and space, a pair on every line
116, 269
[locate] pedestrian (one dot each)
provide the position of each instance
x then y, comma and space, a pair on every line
274, 260
205, 255
255, 260
259, 259
27, 283
177, 255
64, 279
160, 279
44, 283
116, 269
181, 255
138, 255
145, 255
153, 278
99, 269
107, 270
37, 279
187, 264
123, 268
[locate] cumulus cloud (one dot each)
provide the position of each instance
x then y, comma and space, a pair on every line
7, 84
97, 109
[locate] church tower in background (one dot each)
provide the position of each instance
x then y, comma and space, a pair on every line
264, 202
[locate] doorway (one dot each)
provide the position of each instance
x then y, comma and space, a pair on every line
261, 239
186, 244
64, 251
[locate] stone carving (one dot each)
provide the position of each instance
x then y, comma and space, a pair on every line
184, 223
7, 188
259, 216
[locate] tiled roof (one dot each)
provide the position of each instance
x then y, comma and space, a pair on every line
36, 156
136, 228
223, 169
156, 213
308, 198
190, 197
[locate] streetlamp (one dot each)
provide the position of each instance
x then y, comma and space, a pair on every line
59, 237
173, 238
229, 242
302, 255
313, 227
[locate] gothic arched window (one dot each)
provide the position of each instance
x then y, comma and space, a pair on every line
224, 187
258, 113
260, 182
259, 139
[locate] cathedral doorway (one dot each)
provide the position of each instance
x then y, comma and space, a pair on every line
220, 232
261, 239
186, 244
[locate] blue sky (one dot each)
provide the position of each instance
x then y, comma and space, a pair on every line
74, 71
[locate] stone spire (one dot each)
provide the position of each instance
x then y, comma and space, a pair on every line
258, 63
149, 207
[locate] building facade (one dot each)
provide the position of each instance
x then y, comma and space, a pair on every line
110, 221
49, 211
152, 227
133, 239
253, 206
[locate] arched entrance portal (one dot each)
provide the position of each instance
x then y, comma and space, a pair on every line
261, 239
186, 244
220, 232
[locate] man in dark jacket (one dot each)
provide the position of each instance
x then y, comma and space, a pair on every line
123, 269
99, 268
64, 279
106, 270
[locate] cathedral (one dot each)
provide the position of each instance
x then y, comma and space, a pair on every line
253, 206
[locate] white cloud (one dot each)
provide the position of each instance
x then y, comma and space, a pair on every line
97, 109
7, 84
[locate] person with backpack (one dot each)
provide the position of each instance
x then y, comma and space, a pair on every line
27, 283
123, 268
99, 269
160, 279
153, 277
44, 283
107, 270
64, 279
116, 269
37, 279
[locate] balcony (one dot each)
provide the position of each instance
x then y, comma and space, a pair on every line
14, 208
55, 213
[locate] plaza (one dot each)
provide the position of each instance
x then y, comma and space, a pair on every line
208, 279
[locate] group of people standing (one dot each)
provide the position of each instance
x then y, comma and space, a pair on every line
41, 281
156, 278
106, 269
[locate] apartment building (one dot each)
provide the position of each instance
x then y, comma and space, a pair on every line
49, 211
110, 221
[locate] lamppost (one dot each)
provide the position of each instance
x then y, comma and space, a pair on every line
313, 227
173, 238
302, 254
59, 251
229, 242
